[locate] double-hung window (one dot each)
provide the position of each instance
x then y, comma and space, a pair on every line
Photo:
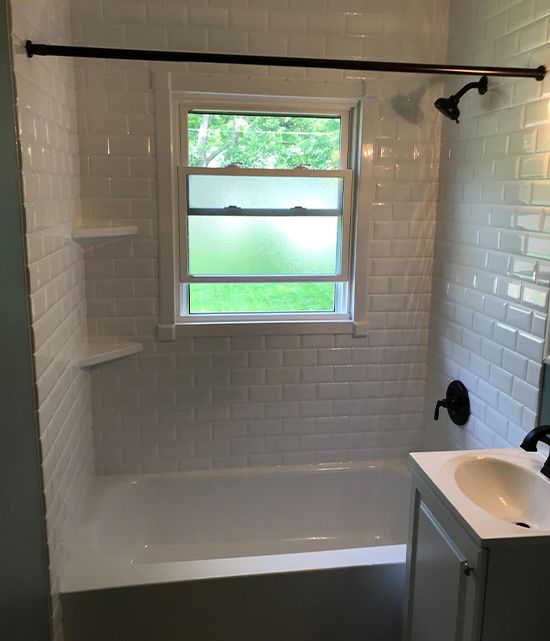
265, 201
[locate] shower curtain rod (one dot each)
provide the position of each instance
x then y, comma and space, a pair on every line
35, 49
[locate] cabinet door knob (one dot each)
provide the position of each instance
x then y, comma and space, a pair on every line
466, 568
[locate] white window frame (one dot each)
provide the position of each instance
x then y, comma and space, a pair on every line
264, 105
171, 149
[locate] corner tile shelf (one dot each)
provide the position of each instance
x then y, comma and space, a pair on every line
84, 233
97, 353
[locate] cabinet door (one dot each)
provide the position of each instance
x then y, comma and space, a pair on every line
441, 586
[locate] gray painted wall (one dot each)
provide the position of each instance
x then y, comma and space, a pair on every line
544, 412
24, 584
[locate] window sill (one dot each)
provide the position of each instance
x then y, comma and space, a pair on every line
259, 328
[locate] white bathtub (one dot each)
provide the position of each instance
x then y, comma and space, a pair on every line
138, 534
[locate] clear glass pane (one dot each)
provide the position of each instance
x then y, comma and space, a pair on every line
263, 245
272, 298
263, 192
263, 141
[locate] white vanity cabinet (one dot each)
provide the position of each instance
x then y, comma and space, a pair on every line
445, 571
461, 587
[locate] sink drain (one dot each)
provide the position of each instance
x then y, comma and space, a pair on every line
522, 524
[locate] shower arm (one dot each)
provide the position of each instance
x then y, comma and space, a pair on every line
481, 84
75, 51
471, 85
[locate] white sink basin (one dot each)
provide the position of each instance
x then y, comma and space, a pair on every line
499, 494
506, 490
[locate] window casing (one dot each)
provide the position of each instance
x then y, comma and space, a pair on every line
199, 203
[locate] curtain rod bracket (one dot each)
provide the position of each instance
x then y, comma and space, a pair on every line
76, 51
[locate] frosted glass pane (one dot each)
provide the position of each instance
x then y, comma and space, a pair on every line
263, 192
269, 298
264, 245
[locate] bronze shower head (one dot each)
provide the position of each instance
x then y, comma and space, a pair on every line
449, 106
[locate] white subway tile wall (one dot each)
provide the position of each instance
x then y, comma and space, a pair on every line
45, 96
492, 252
259, 400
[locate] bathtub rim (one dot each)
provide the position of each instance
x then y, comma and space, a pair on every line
84, 569
176, 571
398, 464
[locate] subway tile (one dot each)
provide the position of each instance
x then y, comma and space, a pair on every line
543, 138
533, 35
541, 8
491, 351
533, 167
526, 394
246, 19
288, 409
265, 358
264, 427
505, 335
282, 342
536, 113
263, 393
107, 123
336, 356
538, 324
312, 46
510, 408
315, 408
286, 22
318, 374
141, 124
534, 374
194, 39
249, 376
483, 325
299, 358
210, 413
332, 391
165, 14
220, 447
299, 392
541, 193
268, 44
300, 425
247, 446
497, 422
501, 379
106, 79
248, 411
530, 346
534, 296
268, 460
522, 142
208, 17
348, 373
283, 375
